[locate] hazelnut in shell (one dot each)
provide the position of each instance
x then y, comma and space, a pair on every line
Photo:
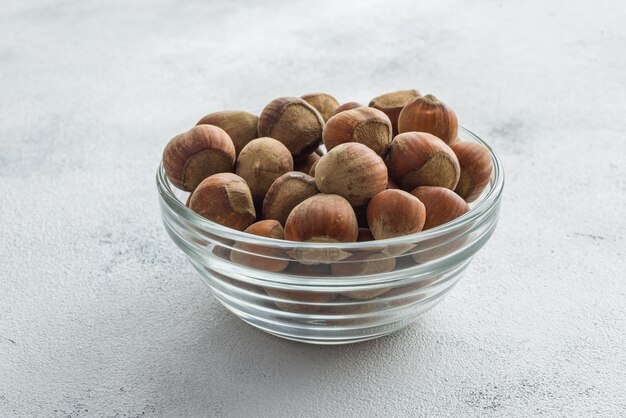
261, 162
239, 125
258, 256
322, 218
393, 213
442, 205
393, 103
429, 114
421, 159
365, 125
293, 122
194, 155
224, 198
476, 167
324, 103
287, 192
353, 171
346, 106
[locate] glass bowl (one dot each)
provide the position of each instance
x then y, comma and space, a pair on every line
331, 293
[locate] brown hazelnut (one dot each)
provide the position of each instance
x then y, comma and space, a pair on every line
287, 192
312, 300
324, 103
422, 159
269, 259
196, 154
293, 122
224, 198
476, 166
393, 103
239, 125
442, 205
322, 218
261, 162
304, 166
346, 106
393, 213
365, 125
353, 171
428, 114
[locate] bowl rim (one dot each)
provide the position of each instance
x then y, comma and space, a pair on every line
484, 205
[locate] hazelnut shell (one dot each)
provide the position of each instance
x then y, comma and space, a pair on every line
194, 155
287, 192
261, 162
293, 122
269, 259
393, 103
421, 159
353, 171
239, 125
324, 103
442, 205
393, 213
224, 198
476, 166
365, 125
429, 114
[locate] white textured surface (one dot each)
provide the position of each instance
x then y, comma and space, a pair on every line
101, 315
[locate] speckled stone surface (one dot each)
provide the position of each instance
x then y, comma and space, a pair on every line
101, 315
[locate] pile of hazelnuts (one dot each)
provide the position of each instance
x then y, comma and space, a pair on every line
392, 168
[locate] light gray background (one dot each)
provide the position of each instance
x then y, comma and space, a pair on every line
101, 315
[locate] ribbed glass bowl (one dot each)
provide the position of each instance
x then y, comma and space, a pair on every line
331, 293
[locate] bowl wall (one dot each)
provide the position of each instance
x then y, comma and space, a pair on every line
331, 293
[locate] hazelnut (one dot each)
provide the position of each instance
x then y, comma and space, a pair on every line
224, 198
293, 122
304, 166
393, 213
442, 205
324, 103
428, 114
269, 259
346, 106
261, 162
309, 301
287, 192
321, 218
476, 166
364, 125
239, 125
196, 154
353, 171
422, 159
392, 103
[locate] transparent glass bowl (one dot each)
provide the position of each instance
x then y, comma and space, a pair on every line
331, 293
